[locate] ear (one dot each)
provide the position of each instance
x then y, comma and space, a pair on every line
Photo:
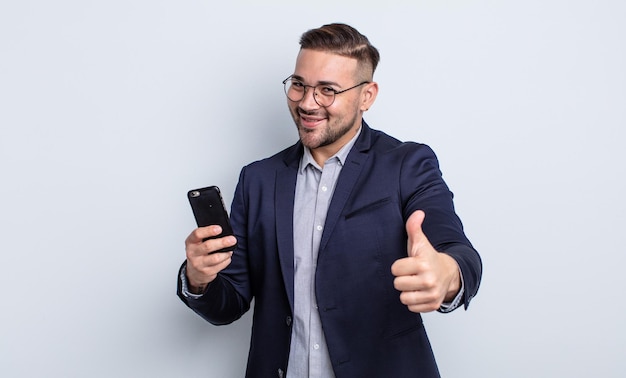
368, 96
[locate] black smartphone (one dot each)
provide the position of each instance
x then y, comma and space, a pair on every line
208, 209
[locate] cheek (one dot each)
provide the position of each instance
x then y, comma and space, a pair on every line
339, 116
334, 112
344, 108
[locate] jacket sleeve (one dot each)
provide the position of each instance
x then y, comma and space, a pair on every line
424, 189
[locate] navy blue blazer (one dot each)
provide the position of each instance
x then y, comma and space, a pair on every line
369, 332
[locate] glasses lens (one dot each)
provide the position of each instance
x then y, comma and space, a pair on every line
324, 95
294, 90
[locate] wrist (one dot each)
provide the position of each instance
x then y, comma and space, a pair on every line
197, 289
195, 286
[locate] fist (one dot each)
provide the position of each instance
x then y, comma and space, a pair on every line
426, 278
202, 263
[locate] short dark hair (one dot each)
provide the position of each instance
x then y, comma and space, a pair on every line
344, 40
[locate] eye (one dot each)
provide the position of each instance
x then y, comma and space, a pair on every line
327, 91
297, 85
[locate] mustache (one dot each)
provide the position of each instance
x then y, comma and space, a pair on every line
303, 112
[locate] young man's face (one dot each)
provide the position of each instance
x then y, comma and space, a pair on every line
329, 127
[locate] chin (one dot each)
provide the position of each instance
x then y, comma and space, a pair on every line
308, 140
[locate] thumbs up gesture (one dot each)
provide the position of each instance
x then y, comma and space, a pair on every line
426, 278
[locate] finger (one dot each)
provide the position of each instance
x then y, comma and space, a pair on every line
421, 301
214, 262
424, 307
211, 245
407, 266
203, 262
201, 233
226, 243
203, 269
417, 241
414, 224
418, 282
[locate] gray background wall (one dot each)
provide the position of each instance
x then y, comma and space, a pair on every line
110, 111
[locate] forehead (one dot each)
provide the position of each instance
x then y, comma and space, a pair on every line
315, 66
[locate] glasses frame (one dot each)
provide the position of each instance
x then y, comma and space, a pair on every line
335, 92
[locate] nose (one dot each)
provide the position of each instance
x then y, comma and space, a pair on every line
308, 101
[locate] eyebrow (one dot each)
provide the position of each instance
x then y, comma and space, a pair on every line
323, 82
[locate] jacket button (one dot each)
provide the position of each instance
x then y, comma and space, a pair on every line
281, 374
288, 321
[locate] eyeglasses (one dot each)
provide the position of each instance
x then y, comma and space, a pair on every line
323, 94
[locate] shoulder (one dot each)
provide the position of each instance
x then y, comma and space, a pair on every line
286, 157
265, 170
384, 143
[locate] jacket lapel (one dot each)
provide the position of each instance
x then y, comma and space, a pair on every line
346, 182
285, 195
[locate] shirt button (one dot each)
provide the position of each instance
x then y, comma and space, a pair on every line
319, 228
316, 346
324, 188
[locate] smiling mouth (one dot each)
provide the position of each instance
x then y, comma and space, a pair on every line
311, 119
308, 120
310, 123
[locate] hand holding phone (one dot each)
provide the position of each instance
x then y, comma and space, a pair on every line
209, 210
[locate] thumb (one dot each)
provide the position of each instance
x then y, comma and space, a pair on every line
417, 240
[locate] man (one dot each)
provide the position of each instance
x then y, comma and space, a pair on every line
343, 238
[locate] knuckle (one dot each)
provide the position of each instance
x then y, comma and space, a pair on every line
206, 247
397, 283
404, 299
428, 281
197, 233
194, 264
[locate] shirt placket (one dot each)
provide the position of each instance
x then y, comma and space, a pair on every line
318, 349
